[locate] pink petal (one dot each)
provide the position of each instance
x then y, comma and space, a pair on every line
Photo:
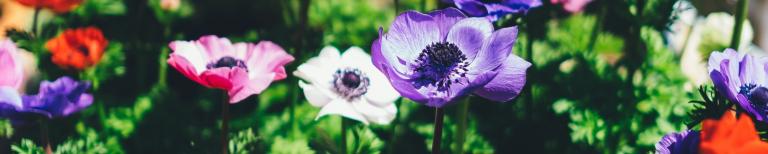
267, 57
217, 47
186, 68
10, 65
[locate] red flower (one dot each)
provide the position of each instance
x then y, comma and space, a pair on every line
58, 6
729, 135
77, 48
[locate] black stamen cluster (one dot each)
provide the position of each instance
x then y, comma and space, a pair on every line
437, 62
227, 62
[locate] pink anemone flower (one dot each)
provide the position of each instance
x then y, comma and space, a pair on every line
242, 69
11, 65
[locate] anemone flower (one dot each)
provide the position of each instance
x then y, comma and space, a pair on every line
78, 49
439, 57
11, 65
348, 85
494, 11
572, 6
686, 142
59, 98
729, 135
58, 6
242, 69
742, 79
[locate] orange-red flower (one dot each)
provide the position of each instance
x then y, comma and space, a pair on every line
58, 6
729, 135
77, 48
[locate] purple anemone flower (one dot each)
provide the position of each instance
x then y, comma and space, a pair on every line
59, 98
494, 11
686, 142
436, 58
742, 79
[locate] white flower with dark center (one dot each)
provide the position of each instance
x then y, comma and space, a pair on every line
348, 85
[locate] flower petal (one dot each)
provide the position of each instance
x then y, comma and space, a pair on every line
186, 68
342, 108
404, 87
469, 35
216, 47
314, 95
495, 50
376, 56
472, 7
407, 36
319, 70
10, 65
376, 114
508, 83
10, 101
194, 56
445, 19
267, 57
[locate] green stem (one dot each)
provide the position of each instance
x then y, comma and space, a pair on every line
344, 126
461, 123
34, 22
225, 124
742, 10
438, 135
44, 135
397, 8
395, 124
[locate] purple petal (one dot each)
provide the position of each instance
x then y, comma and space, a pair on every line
445, 19
84, 101
10, 101
522, 4
508, 83
469, 34
472, 7
720, 81
743, 101
686, 142
376, 56
407, 36
403, 86
495, 50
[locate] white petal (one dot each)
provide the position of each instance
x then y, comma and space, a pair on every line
315, 96
10, 96
380, 91
355, 57
316, 71
343, 108
375, 114
193, 52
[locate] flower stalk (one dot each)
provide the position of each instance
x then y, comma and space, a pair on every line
44, 135
34, 21
742, 10
438, 133
224, 124
461, 123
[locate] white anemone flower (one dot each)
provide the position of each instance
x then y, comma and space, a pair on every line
348, 85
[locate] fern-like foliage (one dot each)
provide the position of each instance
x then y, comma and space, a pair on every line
712, 107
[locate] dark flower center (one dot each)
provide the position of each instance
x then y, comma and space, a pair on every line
350, 83
83, 49
757, 95
438, 63
227, 62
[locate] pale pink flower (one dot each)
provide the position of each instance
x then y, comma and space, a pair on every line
242, 69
